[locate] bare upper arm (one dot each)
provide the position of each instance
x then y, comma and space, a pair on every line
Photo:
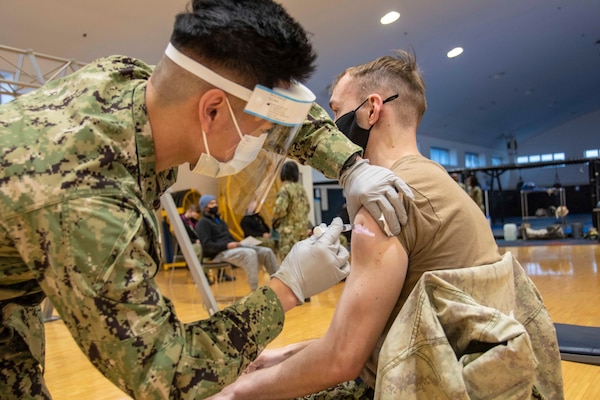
378, 270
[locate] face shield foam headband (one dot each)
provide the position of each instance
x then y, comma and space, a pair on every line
283, 110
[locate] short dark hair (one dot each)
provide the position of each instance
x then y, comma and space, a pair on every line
289, 172
474, 180
256, 40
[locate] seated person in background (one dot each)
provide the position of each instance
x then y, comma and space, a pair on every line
218, 244
379, 105
254, 225
190, 217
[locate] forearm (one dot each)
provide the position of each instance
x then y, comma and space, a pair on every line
314, 368
293, 348
321, 145
285, 295
269, 358
223, 345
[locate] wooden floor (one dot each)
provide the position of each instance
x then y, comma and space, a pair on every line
567, 277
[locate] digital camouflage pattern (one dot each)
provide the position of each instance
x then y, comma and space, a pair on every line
78, 187
321, 145
351, 390
291, 216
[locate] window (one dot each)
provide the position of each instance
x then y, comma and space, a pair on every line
471, 160
496, 160
5, 87
440, 155
535, 158
540, 157
593, 153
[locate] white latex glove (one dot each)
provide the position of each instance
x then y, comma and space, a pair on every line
315, 264
378, 190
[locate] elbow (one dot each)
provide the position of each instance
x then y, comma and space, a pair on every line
346, 367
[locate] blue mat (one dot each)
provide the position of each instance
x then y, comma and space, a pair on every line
579, 343
545, 242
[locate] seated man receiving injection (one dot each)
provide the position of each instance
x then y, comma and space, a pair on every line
387, 96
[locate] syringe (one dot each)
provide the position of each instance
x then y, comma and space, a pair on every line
356, 228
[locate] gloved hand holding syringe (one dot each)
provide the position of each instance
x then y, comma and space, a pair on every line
355, 228
316, 263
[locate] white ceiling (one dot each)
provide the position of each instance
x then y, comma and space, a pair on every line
528, 65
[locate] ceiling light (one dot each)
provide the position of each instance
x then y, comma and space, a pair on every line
455, 52
390, 17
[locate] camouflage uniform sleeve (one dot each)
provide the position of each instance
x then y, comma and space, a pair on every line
282, 203
321, 145
218, 349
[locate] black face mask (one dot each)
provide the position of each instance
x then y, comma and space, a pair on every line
348, 126
213, 210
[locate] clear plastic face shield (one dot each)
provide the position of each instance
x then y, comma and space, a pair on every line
278, 114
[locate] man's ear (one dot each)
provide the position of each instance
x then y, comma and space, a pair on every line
210, 107
375, 104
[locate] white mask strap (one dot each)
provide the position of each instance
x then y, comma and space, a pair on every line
237, 127
205, 142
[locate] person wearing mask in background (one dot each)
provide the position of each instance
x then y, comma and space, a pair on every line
190, 217
219, 245
85, 160
444, 344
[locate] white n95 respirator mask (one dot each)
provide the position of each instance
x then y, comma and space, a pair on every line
246, 151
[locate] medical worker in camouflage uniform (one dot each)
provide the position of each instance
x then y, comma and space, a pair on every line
290, 214
84, 162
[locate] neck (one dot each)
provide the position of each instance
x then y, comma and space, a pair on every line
386, 146
172, 131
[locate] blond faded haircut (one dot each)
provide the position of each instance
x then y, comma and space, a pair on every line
389, 75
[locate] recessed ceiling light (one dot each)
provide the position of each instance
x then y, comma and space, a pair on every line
455, 52
390, 17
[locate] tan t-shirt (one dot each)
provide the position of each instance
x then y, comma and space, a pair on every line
445, 230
